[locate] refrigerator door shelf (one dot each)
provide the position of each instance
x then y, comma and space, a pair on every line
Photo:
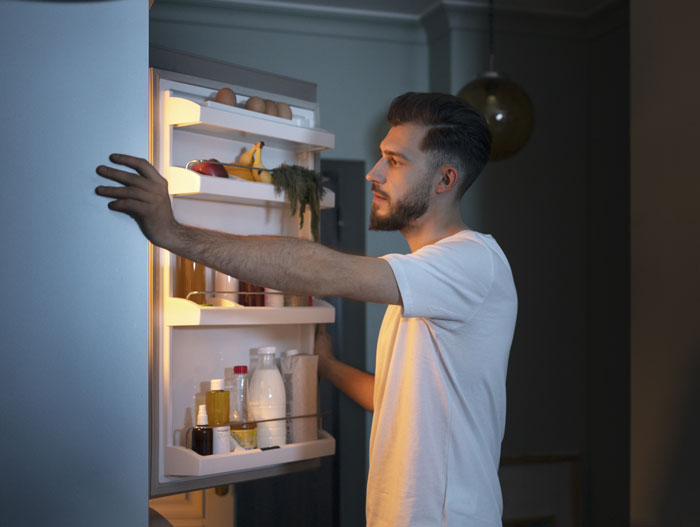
180, 461
182, 312
245, 126
184, 183
300, 117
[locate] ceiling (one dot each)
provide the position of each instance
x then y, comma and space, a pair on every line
417, 7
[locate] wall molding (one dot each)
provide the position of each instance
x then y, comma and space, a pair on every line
270, 6
362, 24
550, 13
274, 17
451, 15
458, 17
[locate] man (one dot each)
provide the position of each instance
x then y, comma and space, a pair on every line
438, 393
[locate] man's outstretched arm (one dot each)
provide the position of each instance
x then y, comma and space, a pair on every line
286, 264
356, 384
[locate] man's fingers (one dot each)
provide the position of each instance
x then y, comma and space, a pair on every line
123, 193
121, 176
132, 207
139, 164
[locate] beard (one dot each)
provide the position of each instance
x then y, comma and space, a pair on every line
406, 210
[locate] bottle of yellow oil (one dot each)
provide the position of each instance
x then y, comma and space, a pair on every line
218, 404
244, 432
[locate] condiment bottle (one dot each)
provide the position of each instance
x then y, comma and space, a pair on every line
243, 432
202, 435
218, 413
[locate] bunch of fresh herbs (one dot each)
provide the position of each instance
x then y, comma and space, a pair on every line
303, 187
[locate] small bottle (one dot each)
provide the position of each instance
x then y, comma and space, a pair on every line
267, 400
202, 435
218, 413
244, 433
250, 300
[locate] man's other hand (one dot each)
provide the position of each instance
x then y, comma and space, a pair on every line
324, 349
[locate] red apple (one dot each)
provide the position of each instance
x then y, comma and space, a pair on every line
210, 169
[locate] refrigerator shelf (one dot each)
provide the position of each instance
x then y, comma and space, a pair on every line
184, 183
244, 125
180, 461
181, 312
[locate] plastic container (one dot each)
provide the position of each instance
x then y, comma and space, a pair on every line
299, 372
267, 400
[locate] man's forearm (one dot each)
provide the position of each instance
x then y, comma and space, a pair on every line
356, 384
288, 264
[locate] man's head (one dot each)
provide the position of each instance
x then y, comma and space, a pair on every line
457, 134
434, 137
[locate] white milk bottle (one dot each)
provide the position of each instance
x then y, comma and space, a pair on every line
267, 400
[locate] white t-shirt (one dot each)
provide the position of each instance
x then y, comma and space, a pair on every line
439, 388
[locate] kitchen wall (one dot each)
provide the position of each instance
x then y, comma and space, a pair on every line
74, 379
665, 258
537, 204
607, 266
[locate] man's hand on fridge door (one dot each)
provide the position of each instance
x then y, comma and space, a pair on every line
143, 196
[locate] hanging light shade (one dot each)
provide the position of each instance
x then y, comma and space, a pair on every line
507, 109
505, 105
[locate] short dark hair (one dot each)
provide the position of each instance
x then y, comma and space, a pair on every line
457, 133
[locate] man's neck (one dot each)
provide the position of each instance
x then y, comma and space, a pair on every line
430, 229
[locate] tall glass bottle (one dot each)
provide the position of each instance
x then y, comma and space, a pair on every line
243, 432
267, 400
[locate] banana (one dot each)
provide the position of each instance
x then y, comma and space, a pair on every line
262, 175
246, 159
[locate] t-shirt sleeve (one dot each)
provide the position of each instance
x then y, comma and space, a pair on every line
448, 280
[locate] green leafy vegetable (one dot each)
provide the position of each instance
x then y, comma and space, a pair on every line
303, 187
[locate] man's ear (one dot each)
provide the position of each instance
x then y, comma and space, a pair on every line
448, 179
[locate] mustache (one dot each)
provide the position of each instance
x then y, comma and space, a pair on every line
377, 191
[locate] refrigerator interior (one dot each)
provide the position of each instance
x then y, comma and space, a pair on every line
190, 343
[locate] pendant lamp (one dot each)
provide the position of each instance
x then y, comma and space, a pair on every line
505, 105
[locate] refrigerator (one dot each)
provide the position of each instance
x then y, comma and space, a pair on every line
191, 343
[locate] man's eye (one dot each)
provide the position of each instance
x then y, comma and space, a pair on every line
393, 162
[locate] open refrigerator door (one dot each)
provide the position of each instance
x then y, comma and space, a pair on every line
196, 337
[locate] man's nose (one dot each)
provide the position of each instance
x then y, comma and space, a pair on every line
376, 175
